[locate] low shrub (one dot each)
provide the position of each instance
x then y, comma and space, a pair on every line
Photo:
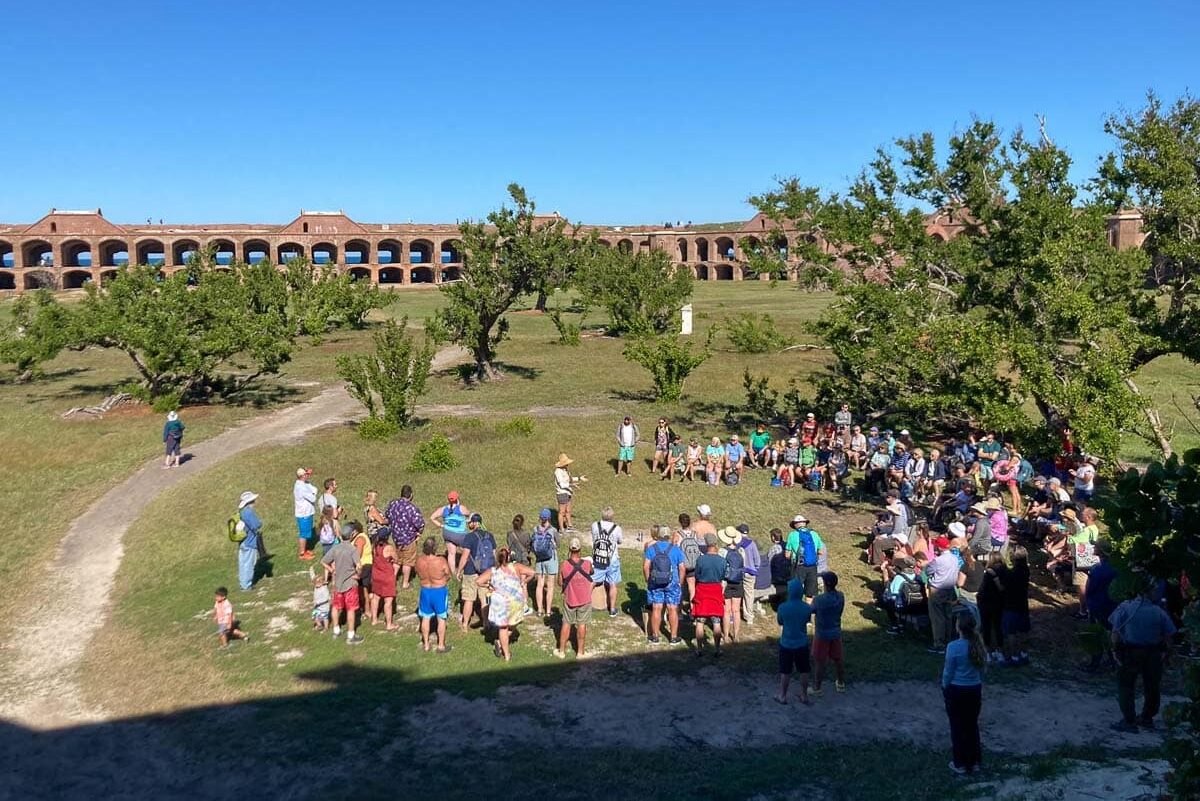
568, 332
516, 427
376, 428
751, 333
433, 456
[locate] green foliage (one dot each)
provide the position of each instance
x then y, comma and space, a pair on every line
670, 359
752, 333
762, 402
519, 426
433, 456
321, 300
396, 374
568, 332
641, 292
508, 256
40, 328
376, 428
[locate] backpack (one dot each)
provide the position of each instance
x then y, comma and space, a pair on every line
543, 545
808, 548
660, 567
237, 530
814, 480
1085, 556
690, 547
731, 478
602, 546
484, 555
735, 566
781, 568
911, 593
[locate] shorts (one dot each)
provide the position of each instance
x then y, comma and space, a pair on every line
793, 660
808, 577
346, 600
1015, 622
321, 612
563, 498
454, 538
173, 447
625, 455
670, 595
222, 630
304, 528
733, 590
712, 621
577, 615
827, 649
364, 581
471, 591
434, 602
406, 555
1079, 578
607, 575
547, 568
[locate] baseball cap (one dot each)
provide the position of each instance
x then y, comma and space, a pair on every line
704, 509
452, 495
301, 472
575, 544
545, 514
477, 518
957, 529
941, 543
743, 528
874, 429
810, 414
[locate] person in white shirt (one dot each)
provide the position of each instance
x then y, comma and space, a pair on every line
305, 496
564, 491
627, 438
858, 448
1085, 480
606, 558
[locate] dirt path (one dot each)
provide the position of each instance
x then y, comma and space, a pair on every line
42, 652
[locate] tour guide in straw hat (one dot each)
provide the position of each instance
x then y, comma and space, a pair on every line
564, 491
248, 547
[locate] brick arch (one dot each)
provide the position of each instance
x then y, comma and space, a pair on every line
288, 251
420, 275
702, 248
393, 248
682, 249
181, 250
256, 250
723, 245
324, 253
110, 253
420, 251
7, 280
357, 273
8, 256
72, 254
76, 278
147, 249
391, 275
361, 248
226, 252
450, 252
39, 279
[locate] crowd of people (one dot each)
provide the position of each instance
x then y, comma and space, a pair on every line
953, 544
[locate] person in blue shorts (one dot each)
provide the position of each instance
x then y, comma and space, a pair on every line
433, 571
305, 496
453, 519
606, 559
663, 568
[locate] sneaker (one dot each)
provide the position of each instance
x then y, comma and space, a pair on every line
653, 640
995, 657
895, 630
936, 649
816, 692
840, 686
354, 639
957, 771
337, 631
560, 654
676, 640
613, 613
1125, 726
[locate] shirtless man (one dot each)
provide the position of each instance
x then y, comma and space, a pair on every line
433, 571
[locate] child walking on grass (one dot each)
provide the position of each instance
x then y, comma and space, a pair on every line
321, 601
227, 627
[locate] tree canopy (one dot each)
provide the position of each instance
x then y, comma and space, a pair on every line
642, 292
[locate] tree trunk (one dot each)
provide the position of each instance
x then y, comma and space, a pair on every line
1158, 436
540, 305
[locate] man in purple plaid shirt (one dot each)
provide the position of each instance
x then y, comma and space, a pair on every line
406, 522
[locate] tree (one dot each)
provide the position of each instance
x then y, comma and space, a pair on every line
642, 292
320, 299
396, 373
40, 328
670, 359
503, 259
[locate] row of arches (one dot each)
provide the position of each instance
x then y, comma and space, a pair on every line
77, 278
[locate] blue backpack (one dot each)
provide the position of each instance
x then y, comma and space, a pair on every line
660, 567
808, 547
483, 557
543, 545
735, 566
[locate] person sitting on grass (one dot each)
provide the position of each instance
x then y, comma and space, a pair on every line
735, 457
694, 458
227, 627
857, 448
789, 470
877, 467
575, 578
837, 469
793, 616
808, 462
760, 446
714, 461
827, 630
708, 606
433, 602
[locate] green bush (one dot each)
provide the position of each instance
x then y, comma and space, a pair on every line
568, 332
376, 428
669, 360
750, 333
762, 401
433, 456
516, 427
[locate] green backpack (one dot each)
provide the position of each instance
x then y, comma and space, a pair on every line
236, 533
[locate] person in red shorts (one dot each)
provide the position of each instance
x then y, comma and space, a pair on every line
827, 633
342, 566
708, 605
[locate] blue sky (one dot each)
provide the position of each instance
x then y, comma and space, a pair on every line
615, 112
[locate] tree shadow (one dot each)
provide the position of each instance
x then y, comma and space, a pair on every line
632, 396
259, 396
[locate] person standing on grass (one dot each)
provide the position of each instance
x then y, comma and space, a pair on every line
506, 581
406, 523
477, 555
248, 548
575, 578
227, 626
353, 531
804, 547
793, 616
708, 606
735, 571
544, 545
453, 519
942, 580
383, 580
305, 496
327, 530
342, 567
564, 491
689, 543
962, 690
663, 568
663, 437
1141, 636
752, 565
827, 640
519, 540
374, 518
606, 557
329, 498
1015, 620
172, 440
433, 602
627, 439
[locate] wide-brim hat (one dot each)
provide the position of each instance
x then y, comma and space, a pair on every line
247, 497
729, 536
799, 519
1069, 514
563, 460
993, 505
979, 507
956, 529
172, 416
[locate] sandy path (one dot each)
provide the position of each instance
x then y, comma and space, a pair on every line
41, 655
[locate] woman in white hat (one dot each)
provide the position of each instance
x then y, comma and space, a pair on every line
172, 439
735, 572
249, 547
564, 491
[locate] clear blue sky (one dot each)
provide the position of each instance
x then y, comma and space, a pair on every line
248, 110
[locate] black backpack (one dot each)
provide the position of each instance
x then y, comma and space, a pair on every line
660, 567
602, 545
735, 566
911, 593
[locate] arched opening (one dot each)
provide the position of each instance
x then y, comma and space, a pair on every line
391, 275
724, 272
420, 252
451, 252
702, 272
450, 274
37, 254
226, 252
751, 246
937, 237
324, 253
151, 251
7, 281
7, 258
604, 243
625, 245
76, 279
390, 252
356, 251
421, 275
114, 253
360, 274
779, 244
724, 248
182, 250
289, 251
682, 246
107, 277
77, 253
255, 251
39, 279
701, 248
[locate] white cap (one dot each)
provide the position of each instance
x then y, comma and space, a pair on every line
904, 432
956, 529
704, 509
